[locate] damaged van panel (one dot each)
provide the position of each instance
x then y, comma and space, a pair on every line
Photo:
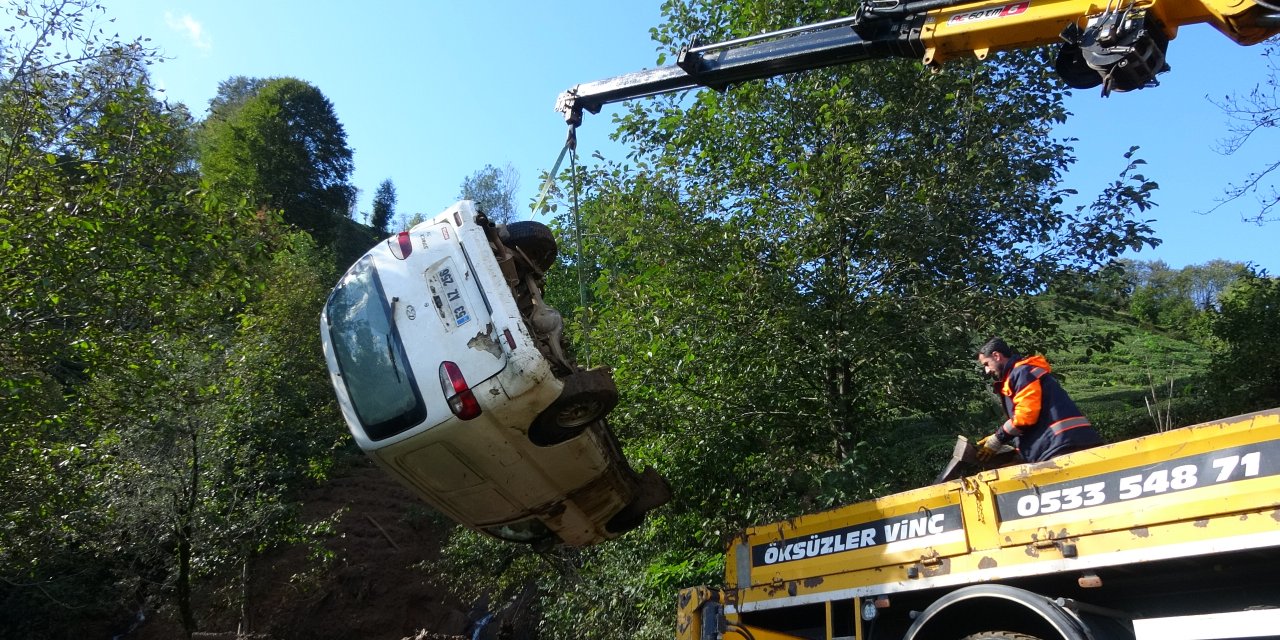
482, 342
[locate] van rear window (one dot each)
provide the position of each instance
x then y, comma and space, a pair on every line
370, 355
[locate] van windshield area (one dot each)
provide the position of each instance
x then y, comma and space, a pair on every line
370, 355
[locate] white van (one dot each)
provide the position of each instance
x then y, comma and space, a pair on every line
451, 374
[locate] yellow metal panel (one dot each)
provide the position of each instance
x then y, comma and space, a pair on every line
828, 607
1234, 18
1216, 488
999, 25
1094, 553
1178, 475
977, 28
735, 632
925, 523
689, 611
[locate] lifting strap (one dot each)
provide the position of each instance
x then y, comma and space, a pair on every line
571, 147
570, 144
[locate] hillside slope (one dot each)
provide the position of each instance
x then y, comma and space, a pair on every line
376, 586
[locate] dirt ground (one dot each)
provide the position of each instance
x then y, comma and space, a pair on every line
376, 588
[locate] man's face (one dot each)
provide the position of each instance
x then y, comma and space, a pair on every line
993, 365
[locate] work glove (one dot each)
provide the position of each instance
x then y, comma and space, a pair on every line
987, 448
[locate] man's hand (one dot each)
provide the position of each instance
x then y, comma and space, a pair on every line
987, 448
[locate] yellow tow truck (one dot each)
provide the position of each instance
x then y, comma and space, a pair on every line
1176, 524
1095, 545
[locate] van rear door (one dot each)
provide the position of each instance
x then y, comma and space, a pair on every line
442, 309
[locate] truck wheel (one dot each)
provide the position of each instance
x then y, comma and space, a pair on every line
535, 240
999, 635
587, 397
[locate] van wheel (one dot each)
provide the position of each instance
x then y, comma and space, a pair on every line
652, 491
587, 397
624, 521
535, 240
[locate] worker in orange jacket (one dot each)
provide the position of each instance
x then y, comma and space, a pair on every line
1042, 417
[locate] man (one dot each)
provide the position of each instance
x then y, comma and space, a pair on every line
1042, 417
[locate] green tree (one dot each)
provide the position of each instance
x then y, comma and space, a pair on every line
1175, 299
405, 222
384, 206
1161, 295
1206, 282
111, 252
232, 93
205, 443
96, 204
1246, 324
494, 191
284, 149
790, 277
845, 184
1111, 287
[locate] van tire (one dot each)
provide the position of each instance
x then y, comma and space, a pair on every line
535, 240
652, 491
587, 397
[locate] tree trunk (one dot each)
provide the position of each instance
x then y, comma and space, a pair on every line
184, 581
186, 512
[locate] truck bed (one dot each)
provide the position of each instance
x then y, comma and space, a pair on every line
1160, 525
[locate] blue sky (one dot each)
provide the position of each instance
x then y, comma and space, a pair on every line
429, 92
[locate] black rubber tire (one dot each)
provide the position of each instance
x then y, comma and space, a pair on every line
652, 491
587, 397
535, 240
624, 521
998, 635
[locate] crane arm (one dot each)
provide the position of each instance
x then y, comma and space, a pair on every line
1116, 44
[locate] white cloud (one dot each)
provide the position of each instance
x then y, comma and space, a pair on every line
192, 28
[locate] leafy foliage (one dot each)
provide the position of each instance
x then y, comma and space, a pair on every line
205, 442
494, 191
232, 93
1177, 299
1246, 326
283, 148
160, 380
789, 279
1115, 363
384, 206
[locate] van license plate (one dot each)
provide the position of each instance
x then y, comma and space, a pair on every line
446, 295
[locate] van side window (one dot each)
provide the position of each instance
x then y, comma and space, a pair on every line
370, 355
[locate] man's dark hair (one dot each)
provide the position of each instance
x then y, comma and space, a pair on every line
995, 345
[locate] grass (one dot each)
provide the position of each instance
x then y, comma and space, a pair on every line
1143, 366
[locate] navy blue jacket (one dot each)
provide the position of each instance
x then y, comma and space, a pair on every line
1042, 417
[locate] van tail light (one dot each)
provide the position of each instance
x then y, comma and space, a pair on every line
461, 401
401, 245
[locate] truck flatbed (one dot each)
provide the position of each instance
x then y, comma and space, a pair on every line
1175, 523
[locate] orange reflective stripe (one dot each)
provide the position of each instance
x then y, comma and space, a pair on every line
1026, 405
1067, 424
1037, 372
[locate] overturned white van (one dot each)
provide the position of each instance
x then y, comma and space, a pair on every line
451, 374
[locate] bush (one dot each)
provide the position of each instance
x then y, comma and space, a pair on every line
1248, 354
